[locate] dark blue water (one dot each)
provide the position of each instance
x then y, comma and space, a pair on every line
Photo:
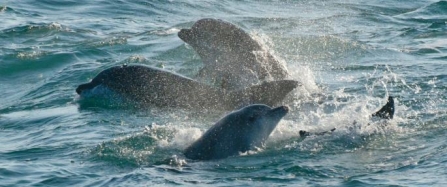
349, 56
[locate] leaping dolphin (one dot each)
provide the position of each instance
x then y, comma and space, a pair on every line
231, 57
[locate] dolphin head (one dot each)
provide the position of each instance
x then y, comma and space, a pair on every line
217, 35
109, 75
230, 55
260, 121
237, 132
186, 35
206, 30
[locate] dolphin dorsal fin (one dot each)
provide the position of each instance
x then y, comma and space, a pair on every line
387, 111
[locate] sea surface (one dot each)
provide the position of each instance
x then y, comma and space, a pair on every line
349, 56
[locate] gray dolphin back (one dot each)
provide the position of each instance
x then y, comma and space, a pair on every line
152, 86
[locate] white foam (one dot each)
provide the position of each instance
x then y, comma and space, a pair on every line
166, 31
174, 135
267, 46
185, 137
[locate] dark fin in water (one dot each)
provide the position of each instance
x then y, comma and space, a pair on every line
387, 111
305, 133
269, 93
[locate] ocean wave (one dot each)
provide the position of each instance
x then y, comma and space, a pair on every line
431, 12
33, 62
42, 28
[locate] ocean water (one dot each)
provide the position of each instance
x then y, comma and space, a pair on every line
348, 55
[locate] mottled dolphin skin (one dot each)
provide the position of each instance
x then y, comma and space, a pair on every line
238, 132
153, 86
232, 58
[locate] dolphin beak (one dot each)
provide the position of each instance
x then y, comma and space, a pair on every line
185, 35
279, 111
271, 119
83, 87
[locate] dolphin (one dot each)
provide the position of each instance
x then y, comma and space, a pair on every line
238, 132
232, 59
152, 86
